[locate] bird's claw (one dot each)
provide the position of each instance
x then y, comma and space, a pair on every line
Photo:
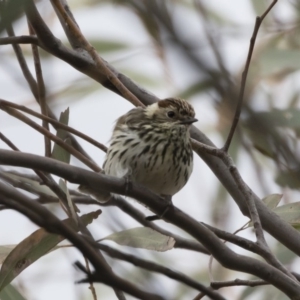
169, 205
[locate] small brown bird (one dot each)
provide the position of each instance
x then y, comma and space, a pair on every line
152, 146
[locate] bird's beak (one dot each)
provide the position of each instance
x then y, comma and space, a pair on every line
188, 121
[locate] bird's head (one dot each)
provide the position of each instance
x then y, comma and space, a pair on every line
170, 112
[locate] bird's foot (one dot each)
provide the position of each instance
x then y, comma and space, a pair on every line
169, 205
128, 184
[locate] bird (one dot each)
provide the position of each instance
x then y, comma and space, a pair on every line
151, 146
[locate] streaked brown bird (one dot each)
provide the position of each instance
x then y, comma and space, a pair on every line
152, 146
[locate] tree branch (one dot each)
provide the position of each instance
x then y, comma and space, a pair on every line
55, 123
236, 118
41, 90
42, 217
54, 138
24, 39
150, 266
99, 182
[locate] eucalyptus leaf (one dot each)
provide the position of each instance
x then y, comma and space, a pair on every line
279, 60
64, 187
34, 247
26, 184
289, 117
197, 88
259, 6
289, 178
289, 213
103, 46
11, 293
4, 251
142, 237
272, 201
58, 152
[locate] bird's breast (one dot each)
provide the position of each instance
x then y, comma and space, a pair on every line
161, 160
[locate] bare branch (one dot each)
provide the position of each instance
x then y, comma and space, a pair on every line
54, 138
236, 282
8, 142
45, 179
91, 287
55, 123
236, 118
41, 91
24, 39
248, 195
72, 26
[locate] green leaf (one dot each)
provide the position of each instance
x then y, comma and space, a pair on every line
4, 251
259, 7
279, 60
58, 152
10, 293
142, 237
288, 178
26, 184
64, 187
289, 117
289, 213
283, 254
10, 12
103, 46
197, 88
272, 200
34, 247
260, 142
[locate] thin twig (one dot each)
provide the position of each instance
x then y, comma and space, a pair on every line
54, 138
41, 90
248, 194
23, 39
72, 26
22, 62
236, 282
46, 179
236, 118
91, 287
8, 142
55, 123
220, 284
34, 87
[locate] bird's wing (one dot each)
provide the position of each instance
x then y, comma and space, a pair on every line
131, 119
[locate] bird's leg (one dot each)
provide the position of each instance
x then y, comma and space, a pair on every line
128, 182
169, 205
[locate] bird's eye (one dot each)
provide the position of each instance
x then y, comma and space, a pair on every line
171, 114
